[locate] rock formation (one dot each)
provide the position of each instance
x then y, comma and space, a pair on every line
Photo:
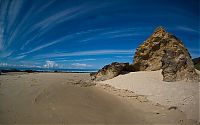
196, 62
161, 50
165, 51
110, 71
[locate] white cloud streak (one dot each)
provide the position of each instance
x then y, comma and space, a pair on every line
14, 9
84, 40
58, 18
188, 29
51, 21
85, 53
65, 38
39, 48
124, 57
122, 35
19, 57
45, 6
1, 37
77, 60
47, 24
80, 65
19, 28
10, 10
4, 5
5, 54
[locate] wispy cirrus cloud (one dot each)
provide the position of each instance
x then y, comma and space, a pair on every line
18, 29
58, 17
77, 60
15, 30
67, 37
122, 35
124, 57
80, 65
14, 9
4, 7
120, 31
19, 57
84, 53
188, 29
46, 6
8, 14
5, 54
19, 32
50, 22
39, 47
1, 38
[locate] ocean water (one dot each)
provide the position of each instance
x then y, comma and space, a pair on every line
51, 69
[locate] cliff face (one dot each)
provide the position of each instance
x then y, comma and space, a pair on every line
165, 51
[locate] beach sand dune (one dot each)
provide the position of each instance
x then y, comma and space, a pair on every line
54, 98
174, 95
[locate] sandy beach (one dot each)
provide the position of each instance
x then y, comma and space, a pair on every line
53, 98
179, 95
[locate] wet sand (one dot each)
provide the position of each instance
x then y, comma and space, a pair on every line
54, 98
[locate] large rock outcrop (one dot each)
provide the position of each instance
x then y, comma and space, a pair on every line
110, 71
165, 51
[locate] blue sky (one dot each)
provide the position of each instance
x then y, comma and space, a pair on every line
89, 33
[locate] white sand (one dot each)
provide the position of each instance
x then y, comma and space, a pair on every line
183, 95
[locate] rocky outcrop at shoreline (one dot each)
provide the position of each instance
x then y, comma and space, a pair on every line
161, 50
110, 71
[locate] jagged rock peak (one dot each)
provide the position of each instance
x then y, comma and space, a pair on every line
159, 32
160, 29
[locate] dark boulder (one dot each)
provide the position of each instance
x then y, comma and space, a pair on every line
110, 71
